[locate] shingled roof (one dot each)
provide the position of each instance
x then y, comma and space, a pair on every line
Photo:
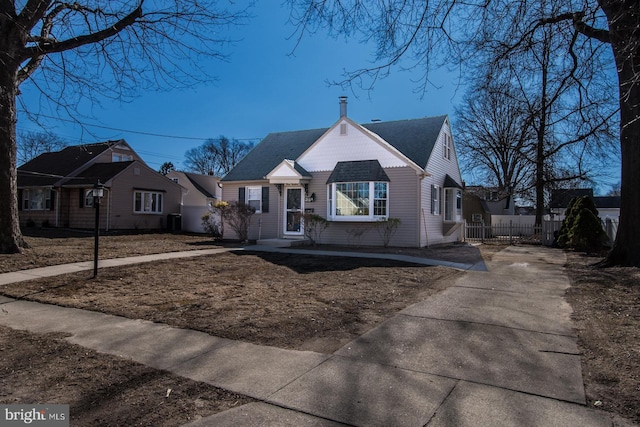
50, 168
98, 171
358, 171
414, 138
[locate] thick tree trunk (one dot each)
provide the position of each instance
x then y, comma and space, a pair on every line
11, 240
625, 40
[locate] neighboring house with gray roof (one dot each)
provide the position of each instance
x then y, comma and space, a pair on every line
54, 189
608, 206
354, 175
200, 193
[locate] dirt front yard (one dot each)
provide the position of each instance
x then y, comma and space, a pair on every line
292, 301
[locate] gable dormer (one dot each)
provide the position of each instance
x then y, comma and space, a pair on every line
351, 142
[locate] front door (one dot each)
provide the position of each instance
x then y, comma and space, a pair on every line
293, 210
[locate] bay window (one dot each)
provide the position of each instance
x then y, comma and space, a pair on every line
452, 204
358, 201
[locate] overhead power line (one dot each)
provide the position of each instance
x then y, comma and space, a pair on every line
159, 135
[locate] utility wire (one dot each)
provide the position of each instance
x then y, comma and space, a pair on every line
135, 131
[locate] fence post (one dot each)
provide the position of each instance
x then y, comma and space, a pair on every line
511, 232
482, 231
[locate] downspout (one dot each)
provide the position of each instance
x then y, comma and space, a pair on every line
108, 209
421, 177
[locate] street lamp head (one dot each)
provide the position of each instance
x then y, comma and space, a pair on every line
98, 189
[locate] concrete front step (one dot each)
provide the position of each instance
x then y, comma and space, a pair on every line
282, 243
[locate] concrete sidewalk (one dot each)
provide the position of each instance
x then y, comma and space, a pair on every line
56, 270
497, 348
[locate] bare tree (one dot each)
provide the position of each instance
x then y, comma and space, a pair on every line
200, 160
414, 33
493, 134
32, 144
216, 156
87, 49
572, 112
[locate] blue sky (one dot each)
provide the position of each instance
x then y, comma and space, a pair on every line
262, 88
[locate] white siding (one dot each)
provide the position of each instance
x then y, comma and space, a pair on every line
263, 225
355, 145
431, 231
403, 191
285, 169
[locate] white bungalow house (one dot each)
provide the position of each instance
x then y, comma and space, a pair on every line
354, 175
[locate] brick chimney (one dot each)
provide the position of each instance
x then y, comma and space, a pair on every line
343, 106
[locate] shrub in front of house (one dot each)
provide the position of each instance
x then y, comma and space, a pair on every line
386, 228
314, 225
213, 221
237, 216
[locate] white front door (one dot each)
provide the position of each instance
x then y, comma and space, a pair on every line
293, 210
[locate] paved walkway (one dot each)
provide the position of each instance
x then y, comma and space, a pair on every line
497, 348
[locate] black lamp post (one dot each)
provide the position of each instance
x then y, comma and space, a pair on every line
98, 192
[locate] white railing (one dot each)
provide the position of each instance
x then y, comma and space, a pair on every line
611, 228
510, 233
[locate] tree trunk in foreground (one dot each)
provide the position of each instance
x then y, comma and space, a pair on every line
625, 38
11, 240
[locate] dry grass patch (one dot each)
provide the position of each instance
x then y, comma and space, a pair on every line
284, 300
606, 304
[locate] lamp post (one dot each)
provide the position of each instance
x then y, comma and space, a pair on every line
98, 192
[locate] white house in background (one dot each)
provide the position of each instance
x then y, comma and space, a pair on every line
200, 192
608, 206
354, 175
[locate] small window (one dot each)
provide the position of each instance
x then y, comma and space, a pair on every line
121, 157
343, 128
436, 192
88, 198
147, 202
446, 146
36, 199
254, 198
175, 180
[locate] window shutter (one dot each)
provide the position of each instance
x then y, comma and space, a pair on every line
433, 200
241, 195
265, 199
439, 200
52, 199
81, 200
20, 201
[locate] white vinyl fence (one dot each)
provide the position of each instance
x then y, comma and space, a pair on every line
513, 232
506, 232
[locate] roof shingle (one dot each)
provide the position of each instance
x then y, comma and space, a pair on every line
414, 138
